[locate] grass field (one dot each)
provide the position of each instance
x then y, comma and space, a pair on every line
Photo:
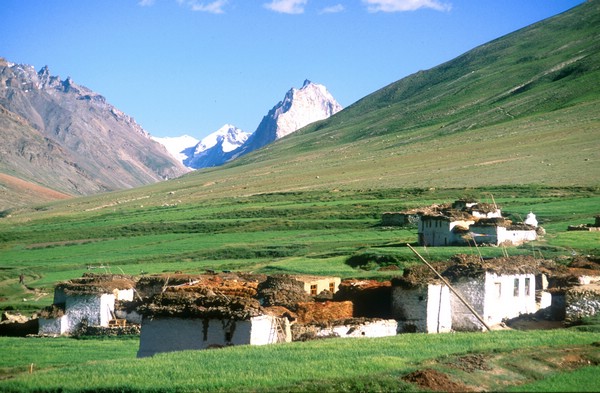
519, 359
303, 232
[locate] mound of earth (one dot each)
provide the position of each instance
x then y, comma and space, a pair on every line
436, 381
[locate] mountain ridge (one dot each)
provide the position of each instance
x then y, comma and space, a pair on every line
299, 107
65, 136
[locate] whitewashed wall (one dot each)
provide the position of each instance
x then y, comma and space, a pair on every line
53, 326
515, 237
170, 334
322, 283
438, 231
425, 309
96, 309
473, 291
264, 330
439, 312
507, 297
485, 234
178, 334
495, 298
124, 294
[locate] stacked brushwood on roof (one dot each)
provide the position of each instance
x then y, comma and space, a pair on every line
472, 266
309, 312
52, 311
282, 290
92, 283
227, 296
199, 305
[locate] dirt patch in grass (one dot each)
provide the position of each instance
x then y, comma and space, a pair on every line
496, 371
472, 362
436, 381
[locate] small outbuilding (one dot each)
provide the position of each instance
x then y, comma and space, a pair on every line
90, 299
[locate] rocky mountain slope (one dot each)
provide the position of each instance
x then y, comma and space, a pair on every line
300, 107
62, 135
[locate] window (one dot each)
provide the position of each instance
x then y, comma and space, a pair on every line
313, 289
516, 291
332, 287
498, 287
527, 286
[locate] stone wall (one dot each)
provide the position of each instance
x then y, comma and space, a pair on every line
346, 329
581, 302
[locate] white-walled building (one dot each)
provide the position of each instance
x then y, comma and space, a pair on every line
465, 222
90, 299
192, 319
168, 334
498, 290
313, 285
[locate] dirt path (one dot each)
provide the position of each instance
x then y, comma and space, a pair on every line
497, 371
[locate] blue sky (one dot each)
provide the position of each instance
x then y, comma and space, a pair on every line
190, 66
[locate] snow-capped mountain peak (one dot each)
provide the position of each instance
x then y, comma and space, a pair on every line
229, 136
177, 145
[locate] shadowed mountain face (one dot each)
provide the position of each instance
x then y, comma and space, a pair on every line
64, 136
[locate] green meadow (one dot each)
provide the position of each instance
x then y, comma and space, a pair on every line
311, 232
521, 360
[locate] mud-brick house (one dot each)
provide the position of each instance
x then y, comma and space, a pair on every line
90, 299
497, 289
465, 222
314, 285
201, 319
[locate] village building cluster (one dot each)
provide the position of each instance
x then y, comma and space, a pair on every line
465, 222
468, 293
181, 312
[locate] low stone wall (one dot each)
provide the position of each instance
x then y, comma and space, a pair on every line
355, 327
581, 302
128, 330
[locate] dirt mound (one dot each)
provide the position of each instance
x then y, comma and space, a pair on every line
282, 290
321, 312
471, 363
435, 381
